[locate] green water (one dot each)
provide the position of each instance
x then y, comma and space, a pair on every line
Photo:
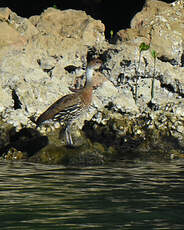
127, 195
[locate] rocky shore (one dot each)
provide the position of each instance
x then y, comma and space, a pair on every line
137, 109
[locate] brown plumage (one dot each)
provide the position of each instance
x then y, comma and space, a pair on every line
69, 107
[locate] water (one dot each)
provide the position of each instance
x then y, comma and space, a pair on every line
128, 195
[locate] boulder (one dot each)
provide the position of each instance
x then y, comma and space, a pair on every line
37, 68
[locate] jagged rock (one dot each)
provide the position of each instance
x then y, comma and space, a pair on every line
70, 25
161, 25
14, 155
84, 155
4, 13
9, 36
39, 64
33, 77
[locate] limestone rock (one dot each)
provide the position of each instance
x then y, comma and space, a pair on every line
4, 13
70, 25
35, 66
34, 77
162, 25
9, 36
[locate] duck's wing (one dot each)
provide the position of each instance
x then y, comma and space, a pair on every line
61, 107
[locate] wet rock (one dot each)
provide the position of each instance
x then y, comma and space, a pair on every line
84, 155
27, 140
86, 158
13, 155
4, 137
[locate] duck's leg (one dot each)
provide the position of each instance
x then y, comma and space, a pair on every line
68, 136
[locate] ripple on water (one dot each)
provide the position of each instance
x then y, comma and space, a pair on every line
129, 195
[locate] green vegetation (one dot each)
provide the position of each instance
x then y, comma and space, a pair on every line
54, 6
111, 33
154, 55
142, 47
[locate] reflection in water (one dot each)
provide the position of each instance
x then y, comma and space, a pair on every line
126, 196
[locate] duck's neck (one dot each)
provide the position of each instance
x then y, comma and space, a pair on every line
89, 76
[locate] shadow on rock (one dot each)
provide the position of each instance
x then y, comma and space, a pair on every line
27, 140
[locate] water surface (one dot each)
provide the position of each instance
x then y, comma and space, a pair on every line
127, 195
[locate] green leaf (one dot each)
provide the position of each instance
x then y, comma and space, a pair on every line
154, 54
111, 33
143, 47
